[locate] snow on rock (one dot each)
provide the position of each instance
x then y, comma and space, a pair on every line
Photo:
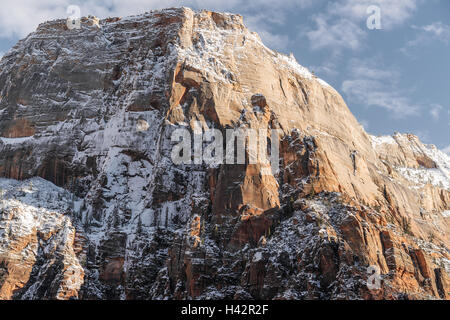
436, 173
439, 176
15, 140
257, 257
37, 214
291, 63
378, 140
209, 52
421, 177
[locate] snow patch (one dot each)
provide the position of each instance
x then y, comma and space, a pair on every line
290, 63
15, 140
257, 257
423, 176
439, 176
376, 141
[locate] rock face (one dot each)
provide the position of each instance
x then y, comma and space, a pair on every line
91, 112
40, 248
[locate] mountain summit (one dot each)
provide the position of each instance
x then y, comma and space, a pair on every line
93, 207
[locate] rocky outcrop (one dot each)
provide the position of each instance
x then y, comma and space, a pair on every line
92, 111
40, 250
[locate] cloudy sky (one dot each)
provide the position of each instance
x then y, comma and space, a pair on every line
396, 78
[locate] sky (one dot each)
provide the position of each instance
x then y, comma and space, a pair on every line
390, 60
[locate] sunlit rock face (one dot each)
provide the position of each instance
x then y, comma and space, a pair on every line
93, 206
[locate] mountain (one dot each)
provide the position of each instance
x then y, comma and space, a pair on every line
93, 207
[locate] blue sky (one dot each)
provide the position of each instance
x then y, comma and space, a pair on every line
396, 78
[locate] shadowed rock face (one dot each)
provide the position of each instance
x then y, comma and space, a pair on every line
93, 110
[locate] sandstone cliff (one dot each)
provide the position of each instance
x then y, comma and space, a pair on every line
91, 113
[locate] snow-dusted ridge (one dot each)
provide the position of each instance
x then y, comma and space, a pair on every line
439, 176
379, 140
213, 44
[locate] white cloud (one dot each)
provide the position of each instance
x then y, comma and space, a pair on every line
274, 41
329, 67
22, 16
260, 24
368, 69
433, 32
435, 111
374, 87
326, 69
1, 54
342, 33
343, 24
438, 29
